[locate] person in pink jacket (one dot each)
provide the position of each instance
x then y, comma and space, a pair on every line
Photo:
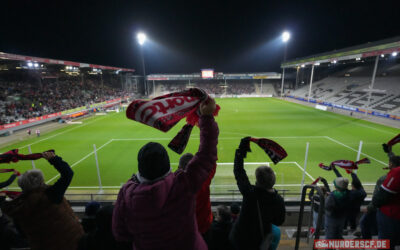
155, 209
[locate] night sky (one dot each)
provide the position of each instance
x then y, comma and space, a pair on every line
186, 36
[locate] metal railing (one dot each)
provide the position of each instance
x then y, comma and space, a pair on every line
320, 213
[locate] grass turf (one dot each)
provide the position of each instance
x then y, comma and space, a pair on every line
118, 140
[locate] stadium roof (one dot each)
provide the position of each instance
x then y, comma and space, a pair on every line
14, 57
386, 46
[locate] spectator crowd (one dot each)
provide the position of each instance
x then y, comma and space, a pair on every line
161, 209
21, 100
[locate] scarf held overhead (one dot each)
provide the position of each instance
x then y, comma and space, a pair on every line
13, 156
275, 152
349, 166
165, 111
395, 140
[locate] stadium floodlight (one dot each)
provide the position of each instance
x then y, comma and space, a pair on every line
394, 53
358, 59
141, 38
285, 36
382, 55
36, 65
303, 65
30, 64
334, 61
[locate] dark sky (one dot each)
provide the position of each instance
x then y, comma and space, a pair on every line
229, 36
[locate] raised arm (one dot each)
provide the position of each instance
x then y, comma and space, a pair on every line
201, 165
56, 192
241, 177
336, 171
326, 185
357, 181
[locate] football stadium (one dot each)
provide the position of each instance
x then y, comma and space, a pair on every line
336, 110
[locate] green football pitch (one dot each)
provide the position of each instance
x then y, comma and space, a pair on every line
118, 140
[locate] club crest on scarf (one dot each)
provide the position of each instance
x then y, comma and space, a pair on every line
166, 111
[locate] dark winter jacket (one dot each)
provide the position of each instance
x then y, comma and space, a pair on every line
45, 216
246, 233
219, 236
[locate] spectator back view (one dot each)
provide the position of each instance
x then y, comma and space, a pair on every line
42, 212
246, 232
156, 208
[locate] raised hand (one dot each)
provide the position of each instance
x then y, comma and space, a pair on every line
208, 106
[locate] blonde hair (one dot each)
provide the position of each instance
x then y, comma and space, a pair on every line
31, 179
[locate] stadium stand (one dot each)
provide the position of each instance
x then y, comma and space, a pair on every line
348, 87
33, 87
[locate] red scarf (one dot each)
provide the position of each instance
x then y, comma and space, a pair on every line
164, 112
316, 181
6, 170
395, 140
13, 156
349, 166
275, 152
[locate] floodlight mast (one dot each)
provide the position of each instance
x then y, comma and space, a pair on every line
285, 39
141, 37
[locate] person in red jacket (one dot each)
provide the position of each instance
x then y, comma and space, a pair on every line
204, 214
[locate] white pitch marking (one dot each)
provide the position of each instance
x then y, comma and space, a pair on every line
302, 169
344, 145
65, 131
86, 156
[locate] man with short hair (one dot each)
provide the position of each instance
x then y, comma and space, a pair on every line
155, 209
261, 203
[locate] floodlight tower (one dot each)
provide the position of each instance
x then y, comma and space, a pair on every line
141, 38
285, 39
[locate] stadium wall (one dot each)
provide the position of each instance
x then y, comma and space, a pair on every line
373, 116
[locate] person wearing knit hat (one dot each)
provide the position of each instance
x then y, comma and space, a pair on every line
153, 163
336, 206
156, 208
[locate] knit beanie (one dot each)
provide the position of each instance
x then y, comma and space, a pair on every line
341, 183
153, 161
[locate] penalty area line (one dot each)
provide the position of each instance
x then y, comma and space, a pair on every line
344, 145
82, 159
